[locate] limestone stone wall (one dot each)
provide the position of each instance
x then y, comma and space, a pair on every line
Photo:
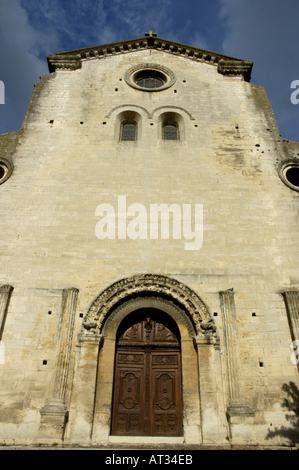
69, 159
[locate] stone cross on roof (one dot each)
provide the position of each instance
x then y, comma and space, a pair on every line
151, 34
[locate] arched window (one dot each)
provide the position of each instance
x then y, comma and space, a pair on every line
128, 131
170, 132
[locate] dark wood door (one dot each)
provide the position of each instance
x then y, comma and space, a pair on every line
147, 384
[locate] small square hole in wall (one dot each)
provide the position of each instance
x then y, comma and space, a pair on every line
45, 363
116, 89
51, 122
254, 314
215, 314
49, 312
81, 315
261, 364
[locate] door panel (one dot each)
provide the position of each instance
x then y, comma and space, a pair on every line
128, 394
147, 382
166, 392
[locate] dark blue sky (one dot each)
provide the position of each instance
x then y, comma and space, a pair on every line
264, 31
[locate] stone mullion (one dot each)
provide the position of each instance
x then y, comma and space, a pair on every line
5, 294
292, 306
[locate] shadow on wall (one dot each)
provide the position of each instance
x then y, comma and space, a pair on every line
291, 402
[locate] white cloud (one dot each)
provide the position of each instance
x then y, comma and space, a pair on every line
28, 32
140, 17
199, 41
20, 65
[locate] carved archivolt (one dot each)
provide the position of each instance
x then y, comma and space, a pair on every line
148, 283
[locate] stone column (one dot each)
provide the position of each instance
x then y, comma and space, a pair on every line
238, 412
292, 305
54, 413
5, 294
80, 427
291, 299
213, 422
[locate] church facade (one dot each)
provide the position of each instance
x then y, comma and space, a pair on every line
149, 282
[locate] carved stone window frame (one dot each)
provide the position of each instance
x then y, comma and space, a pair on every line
167, 74
283, 169
7, 169
128, 117
174, 119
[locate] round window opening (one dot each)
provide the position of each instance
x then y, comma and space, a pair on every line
5, 169
2, 172
149, 77
289, 173
292, 175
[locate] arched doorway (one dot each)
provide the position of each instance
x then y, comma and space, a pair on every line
147, 391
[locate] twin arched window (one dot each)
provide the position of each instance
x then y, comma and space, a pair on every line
128, 131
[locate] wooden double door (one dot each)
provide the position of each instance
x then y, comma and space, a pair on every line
147, 397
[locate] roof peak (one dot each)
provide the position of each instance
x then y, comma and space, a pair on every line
227, 65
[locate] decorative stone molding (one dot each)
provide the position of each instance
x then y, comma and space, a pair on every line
72, 59
129, 108
171, 108
150, 114
237, 405
64, 62
235, 67
152, 302
5, 294
89, 338
145, 284
168, 76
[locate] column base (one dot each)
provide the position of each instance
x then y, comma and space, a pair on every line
240, 418
237, 411
53, 420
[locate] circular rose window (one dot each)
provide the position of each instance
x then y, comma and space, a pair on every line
5, 169
149, 77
